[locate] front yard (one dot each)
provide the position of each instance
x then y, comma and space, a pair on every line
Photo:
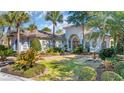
66, 67
105, 66
58, 67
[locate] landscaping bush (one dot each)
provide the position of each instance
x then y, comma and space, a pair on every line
87, 73
55, 51
106, 53
4, 52
78, 50
119, 68
36, 70
35, 43
119, 49
111, 76
26, 60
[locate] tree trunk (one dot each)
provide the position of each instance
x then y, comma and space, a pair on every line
83, 43
53, 41
18, 41
9, 29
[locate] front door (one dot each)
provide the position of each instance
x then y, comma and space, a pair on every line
75, 42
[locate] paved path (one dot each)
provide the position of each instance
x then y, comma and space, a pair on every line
8, 77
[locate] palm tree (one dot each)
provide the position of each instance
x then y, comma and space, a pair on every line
32, 27
98, 22
2, 24
9, 19
55, 17
19, 19
79, 18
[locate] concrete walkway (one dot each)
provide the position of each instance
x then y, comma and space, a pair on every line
8, 77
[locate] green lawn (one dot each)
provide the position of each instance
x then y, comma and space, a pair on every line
64, 69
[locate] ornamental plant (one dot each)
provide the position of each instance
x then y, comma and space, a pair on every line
26, 60
5, 52
111, 76
87, 73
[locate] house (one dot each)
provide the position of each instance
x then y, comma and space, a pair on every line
27, 36
72, 38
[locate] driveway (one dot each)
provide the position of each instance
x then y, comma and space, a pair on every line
8, 77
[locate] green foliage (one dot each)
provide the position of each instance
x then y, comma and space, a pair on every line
26, 60
87, 73
78, 50
55, 50
4, 52
119, 68
32, 27
106, 53
111, 76
36, 70
46, 29
119, 49
78, 17
59, 31
35, 43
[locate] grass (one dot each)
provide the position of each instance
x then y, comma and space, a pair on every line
64, 69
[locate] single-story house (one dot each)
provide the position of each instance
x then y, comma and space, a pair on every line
72, 38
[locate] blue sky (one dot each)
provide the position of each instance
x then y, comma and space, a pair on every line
37, 17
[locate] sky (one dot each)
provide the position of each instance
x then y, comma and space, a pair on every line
38, 17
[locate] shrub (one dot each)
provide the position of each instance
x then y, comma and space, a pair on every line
119, 68
119, 49
111, 76
108, 65
122, 73
36, 70
26, 60
106, 53
4, 52
35, 43
87, 73
78, 49
55, 50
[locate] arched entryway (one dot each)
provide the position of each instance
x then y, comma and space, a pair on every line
74, 42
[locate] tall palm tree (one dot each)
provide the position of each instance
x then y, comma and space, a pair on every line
20, 17
2, 24
55, 17
9, 19
32, 27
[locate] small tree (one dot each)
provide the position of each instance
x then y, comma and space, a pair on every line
35, 43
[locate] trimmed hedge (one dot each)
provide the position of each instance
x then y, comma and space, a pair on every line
111, 76
87, 73
35, 43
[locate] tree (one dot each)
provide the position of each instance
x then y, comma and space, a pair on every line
9, 20
32, 27
2, 23
116, 26
99, 25
79, 18
46, 29
35, 43
59, 31
20, 18
55, 17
